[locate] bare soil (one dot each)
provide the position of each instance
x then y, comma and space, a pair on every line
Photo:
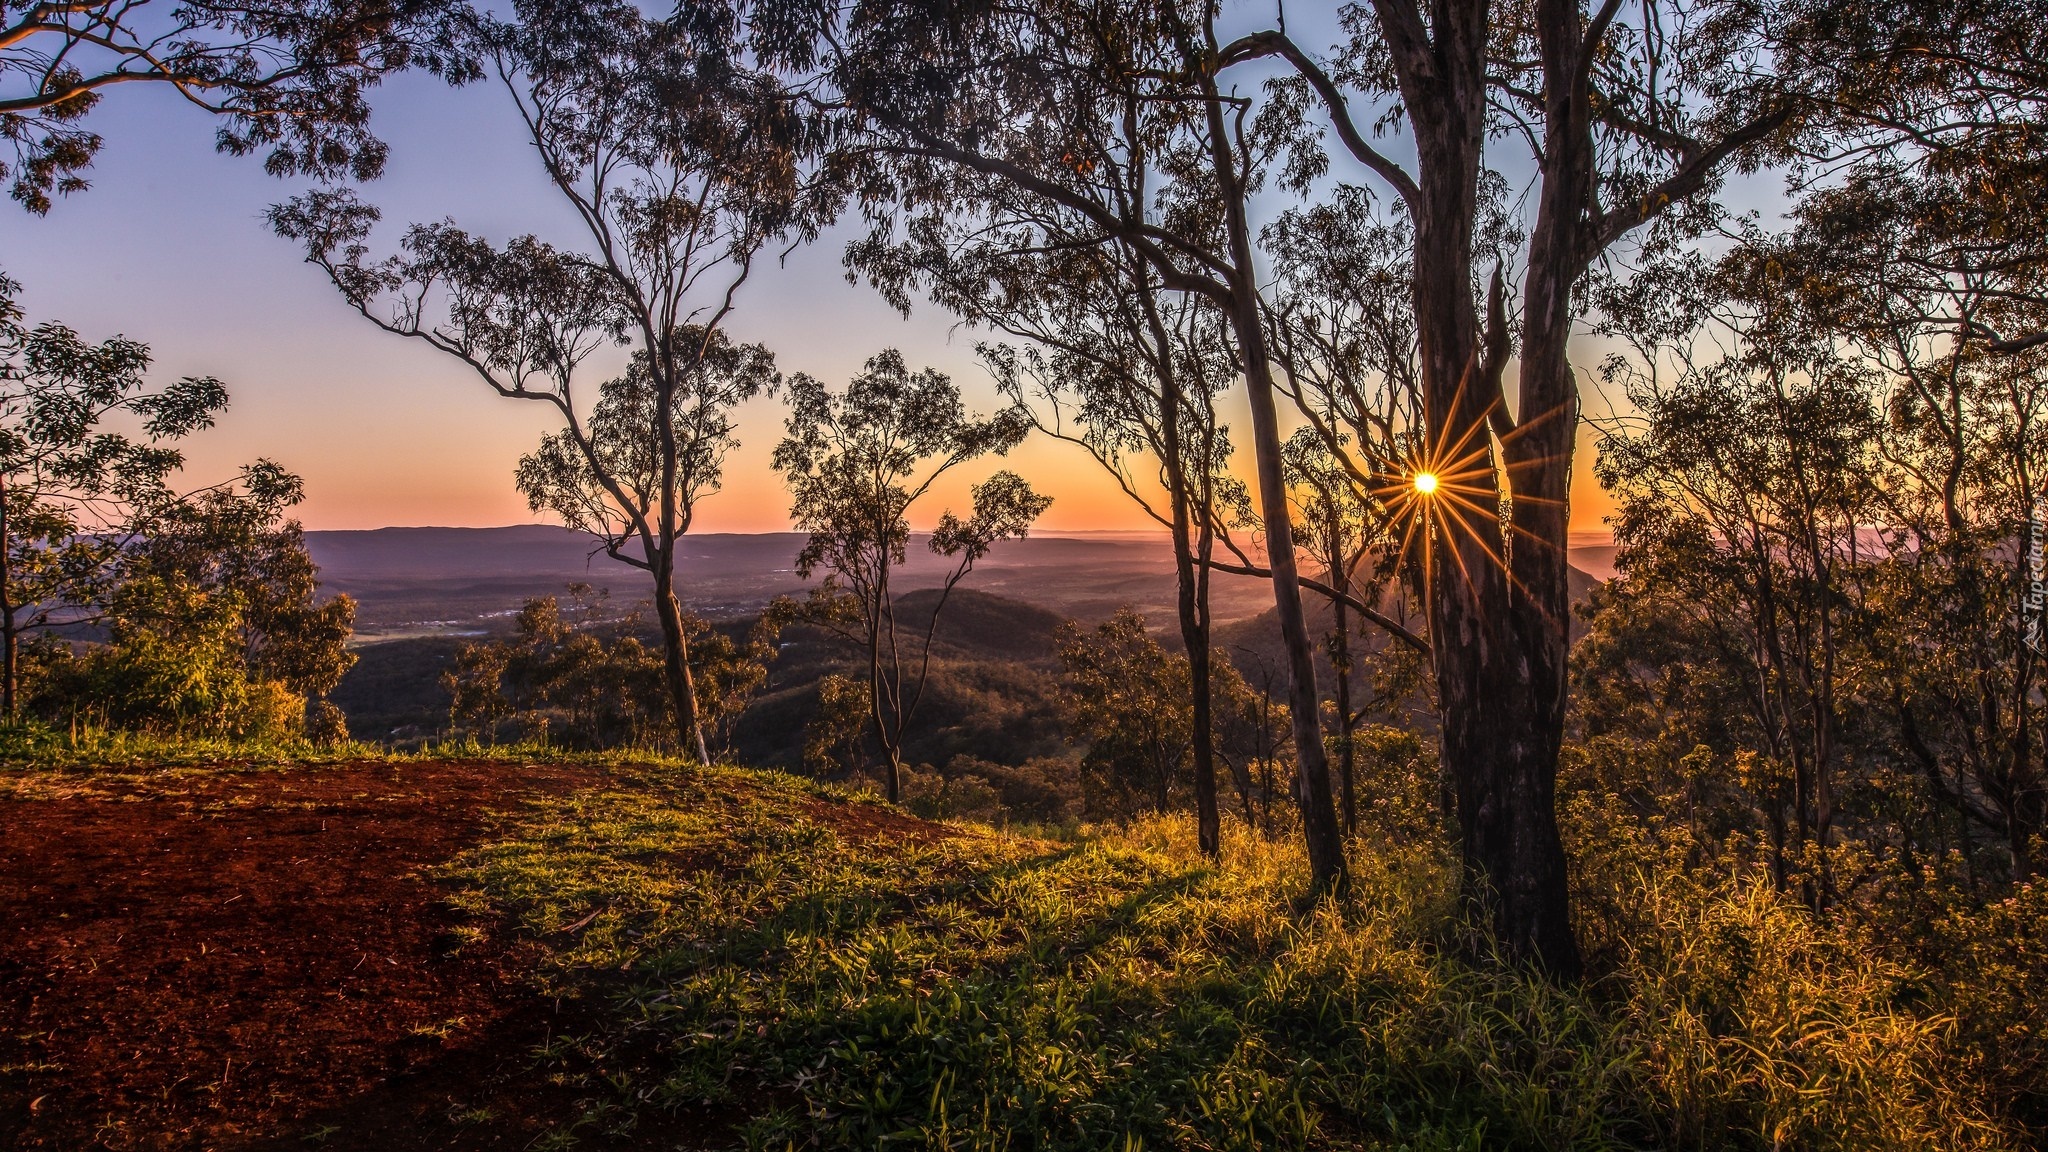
261, 959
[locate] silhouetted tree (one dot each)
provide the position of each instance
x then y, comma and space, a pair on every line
292, 77
1116, 365
680, 164
1932, 138
1335, 531
855, 463
1853, 483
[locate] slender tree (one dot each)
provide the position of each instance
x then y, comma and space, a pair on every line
1130, 378
1118, 363
856, 462
681, 164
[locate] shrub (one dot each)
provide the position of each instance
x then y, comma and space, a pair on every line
326, 724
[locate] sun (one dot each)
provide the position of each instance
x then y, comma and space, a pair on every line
1425, 483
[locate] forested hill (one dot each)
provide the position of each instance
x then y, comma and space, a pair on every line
994, 658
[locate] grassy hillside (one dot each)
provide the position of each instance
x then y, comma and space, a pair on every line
421, 953
772, 974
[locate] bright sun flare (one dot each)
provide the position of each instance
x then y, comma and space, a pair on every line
1425, 482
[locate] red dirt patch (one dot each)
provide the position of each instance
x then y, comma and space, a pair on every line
872, 823
228, 960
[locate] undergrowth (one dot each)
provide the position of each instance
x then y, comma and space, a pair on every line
34, 745
776, 971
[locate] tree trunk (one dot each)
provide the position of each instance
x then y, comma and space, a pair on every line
1194, 635
675, 661
1327, 868
670, 528
885, 696
1325, 843
10, 639
1499, 658
9, 636
1347, 756
1204, 669
1190, 601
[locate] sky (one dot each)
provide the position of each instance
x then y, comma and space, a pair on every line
170, 247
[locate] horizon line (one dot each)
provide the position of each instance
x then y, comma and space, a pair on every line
1572, 534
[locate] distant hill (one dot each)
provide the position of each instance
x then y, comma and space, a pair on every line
423, 591
468, 581
991, 693
429, 581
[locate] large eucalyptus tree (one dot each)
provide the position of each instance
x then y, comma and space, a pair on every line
680, 163
1628, 117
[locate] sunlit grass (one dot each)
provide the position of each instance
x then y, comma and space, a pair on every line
819, 989
34, 746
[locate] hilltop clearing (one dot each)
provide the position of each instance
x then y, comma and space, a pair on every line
411, 955
241, 957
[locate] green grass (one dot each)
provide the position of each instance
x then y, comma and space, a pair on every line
32, 746
762, 974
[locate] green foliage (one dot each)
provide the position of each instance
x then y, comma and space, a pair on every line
582, 676
1127, 702
73, 490
769, 957
1987, 964
208, 600
837, 728
326, 725
235, 539
174, 664
1399, 786
1044, 793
